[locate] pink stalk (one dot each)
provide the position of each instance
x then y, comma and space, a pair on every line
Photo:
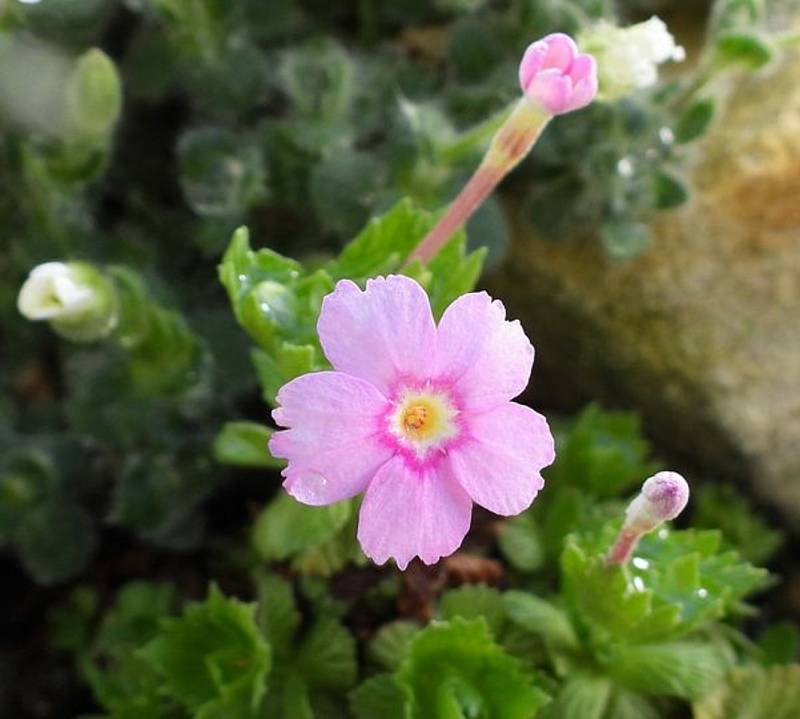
512, 142
623, 547
555, 78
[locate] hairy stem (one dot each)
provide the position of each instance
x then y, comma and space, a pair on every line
510, 144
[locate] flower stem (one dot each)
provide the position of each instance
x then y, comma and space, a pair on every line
510, 144
623, 547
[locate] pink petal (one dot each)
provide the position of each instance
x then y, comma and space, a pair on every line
381, 334
409, 513
499, 466
531, 63
484, 357
551, 91
583, 67
561, 51
332, 442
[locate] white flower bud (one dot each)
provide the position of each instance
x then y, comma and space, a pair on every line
628, 57
53, 290
74, 297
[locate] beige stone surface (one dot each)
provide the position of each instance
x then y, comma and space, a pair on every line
701, 333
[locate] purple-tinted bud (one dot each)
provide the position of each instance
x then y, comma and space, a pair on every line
663, 497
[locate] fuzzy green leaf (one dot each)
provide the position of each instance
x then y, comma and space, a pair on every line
754, 693
695, 121
453, 273
688, 670
213, 659
581, 697
542, 618
520, 542
724, 508
380, 697
278, 616
743, 49
384, 243
122, 681
326, 659
603, 453
244, 444
389, 646
670, 191
624, 239
454, 670
285, 526
473, 601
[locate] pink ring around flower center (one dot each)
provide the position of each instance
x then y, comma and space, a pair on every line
423, 420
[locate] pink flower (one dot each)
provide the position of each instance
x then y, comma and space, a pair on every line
555, 76
418, 417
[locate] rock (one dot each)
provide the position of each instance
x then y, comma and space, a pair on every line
701, 333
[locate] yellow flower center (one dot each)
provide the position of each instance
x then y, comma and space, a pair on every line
423, 419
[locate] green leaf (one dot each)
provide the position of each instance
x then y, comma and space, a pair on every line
380, 697
384, 244
521, 543
93, 95
743, 48
333, 554
473, 601
688, 670
257, 285
244, 444
542, 618
286, 362
695, 121
754, 693
581, 697
344, 188
677, 581
455, 669
604, 453
670, 191
122, 681
390, 644
625, 704
624, 239
326, 658
452, 273
221, 173
55, 541
286, 526
724, 508
604, 598
318, 77
213, 658
779, 643
27, 479
278, 616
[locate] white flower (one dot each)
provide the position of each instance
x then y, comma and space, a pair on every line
76, 299
628, 58
54, 290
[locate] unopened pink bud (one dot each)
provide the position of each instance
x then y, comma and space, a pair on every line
555, 76
662, 498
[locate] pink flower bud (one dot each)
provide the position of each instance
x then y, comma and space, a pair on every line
666, 494
555, 76
662, 498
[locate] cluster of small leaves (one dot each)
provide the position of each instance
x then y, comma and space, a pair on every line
570, 638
